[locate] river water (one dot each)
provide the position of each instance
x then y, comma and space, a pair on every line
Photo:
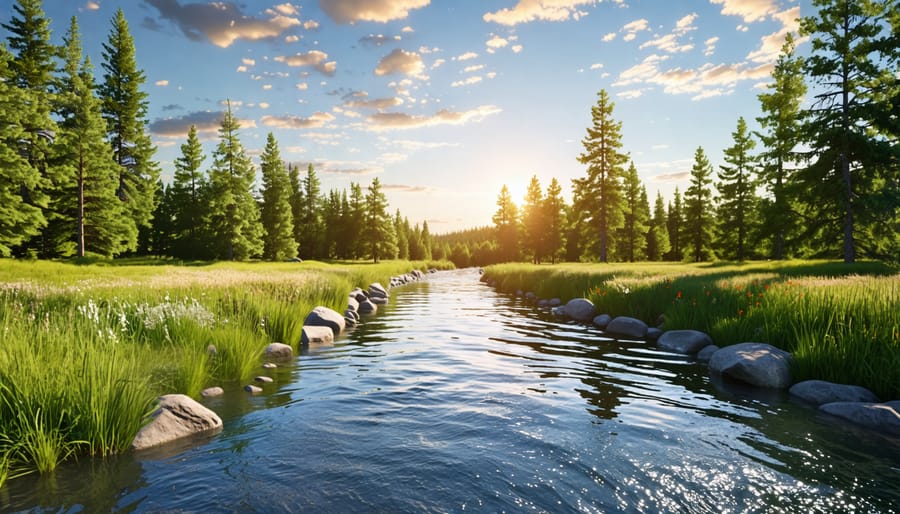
455, 398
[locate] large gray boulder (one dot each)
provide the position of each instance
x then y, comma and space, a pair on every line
176, 416
377, 290
352, 303
882, 417
580, 309
325, 317
631, 328
279, 351
316, 336
602, 321
819, 392
706, 353
757, 364
367, 307
684, 341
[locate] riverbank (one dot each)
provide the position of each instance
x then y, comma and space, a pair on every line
87, 348
840, 322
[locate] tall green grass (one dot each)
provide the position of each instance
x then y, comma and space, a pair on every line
87, 348
841, 322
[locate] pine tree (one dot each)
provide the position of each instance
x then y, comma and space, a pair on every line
737, 195
506, 222
311, 216
356, 217
296, 203
88, 215
379, 234
189, 203
534, 221
277, 220
234, 213
675, 226
426, 241
125, 111
403, 232
19, 220
852, 63
658, 234
555, 213
162, 234
781, 125
631, 239
598, 197
698, 207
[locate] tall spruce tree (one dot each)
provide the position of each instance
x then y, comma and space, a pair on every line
403, 231
598, 196
852, 63
379, 236
780, 137
189, 200
555, 213
234, 213
698, 210
125, 111
737, 205
311, 216
19, 219
356, 215
506, 223
675, 225
631, 238
87, 214
296, 203
534, 221
277, 220
658, 235
426, 240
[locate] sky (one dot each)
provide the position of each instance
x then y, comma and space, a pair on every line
447, 101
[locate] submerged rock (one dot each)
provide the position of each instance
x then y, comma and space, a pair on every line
312, 335
819, 392
210, 392
176, 416
757, 364
684, 341
367, 307
377, 290
632, 328
279, 351
580, 309
653, 334
252, 389
325, 317
706, 353
882, 417
263, 380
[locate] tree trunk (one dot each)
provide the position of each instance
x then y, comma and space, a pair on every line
79, 218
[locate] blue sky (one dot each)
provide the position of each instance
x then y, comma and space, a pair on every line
448, 100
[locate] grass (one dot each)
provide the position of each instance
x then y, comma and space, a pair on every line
841, 322
87, 347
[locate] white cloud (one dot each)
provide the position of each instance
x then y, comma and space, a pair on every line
466, 56
92, 6
267, 87
401, 121
222, 23
286, 9
314, 58
310, 24
609, 37
248, 62
263, 105
316, 120
597, 66
292, 39
401, 62
162, 83
543, 10
770, 45
437, 63
351, 11
710, 46
467, 82
750, 10
517, 48
474, 67
407, 30
302, 86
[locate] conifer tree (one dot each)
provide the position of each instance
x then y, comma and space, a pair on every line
675, 226
534, 221
379, 234
234, 213
125, 111
332, 216
356, 218
426, 241
311, 216
631, 237
296, 203
403, 232
737, 195
87, 214
555, 212
19, 220
277, 220
658, 234
698, 207
780, 137
506, 222
188, 194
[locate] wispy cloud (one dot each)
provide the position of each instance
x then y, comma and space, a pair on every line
542, 10
205, 121
401, 62
316, 120
316, 59
401, 121
351, 11
750, 10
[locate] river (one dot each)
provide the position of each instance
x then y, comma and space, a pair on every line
455, 398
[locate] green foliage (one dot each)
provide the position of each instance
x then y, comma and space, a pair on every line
698, 210
188, 202
737, 206
631, 239
534, 222
378, 234
506, 224
556, 220
277, 220
658, 235
312, 230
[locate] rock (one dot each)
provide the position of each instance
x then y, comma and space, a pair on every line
210, 392
602, 321
378, 300
351, 314
877, 416
211, 350
325, 317
660, 320
555, 302
269, 365
530, 296
252, 389
819, 392
359, 294
377, 290
350, 322
367, 307
757, 364
684, 341
279, 351
176, 416
352, 303
706, 353
543, 304
631, 328
316, 335
559, 310
580, 309
263, 380
653, 334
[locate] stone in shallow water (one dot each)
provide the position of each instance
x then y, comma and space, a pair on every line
628, 327
819, 392
706, 353
209, 392
269, 365
602, 321
176, 416
279, 351
316, 336
264, 380
684, 341
367, 307
881, 417
250, 388
325, 317
757, 364
580, 309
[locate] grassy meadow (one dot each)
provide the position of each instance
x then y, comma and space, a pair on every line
840, 321
87, 348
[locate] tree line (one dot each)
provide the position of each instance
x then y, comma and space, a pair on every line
78, 176
825, 183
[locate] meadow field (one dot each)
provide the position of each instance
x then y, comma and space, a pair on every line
840, 321
87, 348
